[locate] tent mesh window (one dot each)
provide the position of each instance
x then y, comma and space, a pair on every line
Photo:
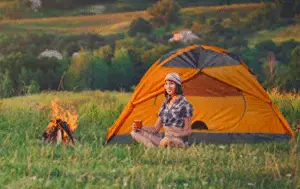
202, 58
204, 85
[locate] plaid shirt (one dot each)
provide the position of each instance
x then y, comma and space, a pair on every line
176, 114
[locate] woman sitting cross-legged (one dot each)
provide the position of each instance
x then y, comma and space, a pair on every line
175, 116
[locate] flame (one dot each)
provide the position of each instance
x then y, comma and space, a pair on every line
67, 115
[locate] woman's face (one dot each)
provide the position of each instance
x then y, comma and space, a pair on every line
170, 87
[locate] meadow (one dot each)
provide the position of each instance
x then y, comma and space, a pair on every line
25, 162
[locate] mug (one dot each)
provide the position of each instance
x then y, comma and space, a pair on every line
138, 123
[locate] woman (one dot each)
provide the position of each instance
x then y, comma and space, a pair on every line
174, 115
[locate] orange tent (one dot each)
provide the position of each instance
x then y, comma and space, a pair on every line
227, 99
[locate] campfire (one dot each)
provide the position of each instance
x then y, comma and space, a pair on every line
62, 125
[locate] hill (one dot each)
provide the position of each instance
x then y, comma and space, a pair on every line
104, 23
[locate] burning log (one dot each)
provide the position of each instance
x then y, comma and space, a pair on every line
59, 131
62, 126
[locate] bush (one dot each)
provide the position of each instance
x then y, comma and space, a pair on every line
264, 17
196, 27
139, 25
295, 59
164, 13
68, 44
135, 43
266, 46
106, 52
285, 49
235, 19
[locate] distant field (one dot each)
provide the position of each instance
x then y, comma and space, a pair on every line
101, 24
2, 4
279, 35
25, 162
239, 7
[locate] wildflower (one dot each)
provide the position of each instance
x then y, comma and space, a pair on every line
97, 9
185, 36
222, 147
51, 54
75, 54
35, 4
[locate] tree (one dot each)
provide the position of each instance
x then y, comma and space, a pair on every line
295, 57
267, 45
164, 12
39, 77
98, 69
289, 78
285, 49
106, 52
77, 76
51, 79
24, 79
6, 85
297, 7
34, 87
139, 25
288, 8
121, 72
227, 2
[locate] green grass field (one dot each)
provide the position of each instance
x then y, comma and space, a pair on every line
25, 162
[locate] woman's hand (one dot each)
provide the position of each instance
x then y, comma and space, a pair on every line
134, 127
149, 129
171, 134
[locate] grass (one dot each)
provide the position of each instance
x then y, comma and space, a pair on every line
25, 162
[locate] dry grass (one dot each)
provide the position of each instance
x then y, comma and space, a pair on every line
198, 10
3, 4
101, 24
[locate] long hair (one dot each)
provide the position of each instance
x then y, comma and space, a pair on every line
178, 91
